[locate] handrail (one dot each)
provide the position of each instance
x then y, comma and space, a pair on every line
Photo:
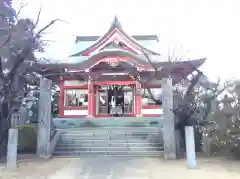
54, 140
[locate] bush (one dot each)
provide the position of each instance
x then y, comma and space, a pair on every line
154, 123
27, 138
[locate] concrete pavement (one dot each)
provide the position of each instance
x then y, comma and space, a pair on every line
145, 168
103, 168
122, 168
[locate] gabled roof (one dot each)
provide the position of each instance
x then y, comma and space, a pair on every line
116, 25
136, 37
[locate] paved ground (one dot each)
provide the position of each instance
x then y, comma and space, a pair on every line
122, 168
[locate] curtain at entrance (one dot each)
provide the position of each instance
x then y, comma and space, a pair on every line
76, 97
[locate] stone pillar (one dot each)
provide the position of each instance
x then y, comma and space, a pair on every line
176, 102
44, 118
138, 100
168, 120
206, 146
178, 140
12, 149
190, 146
90, 97
61, 98
24, 116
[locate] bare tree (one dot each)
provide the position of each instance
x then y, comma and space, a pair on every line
188, 104
19, 41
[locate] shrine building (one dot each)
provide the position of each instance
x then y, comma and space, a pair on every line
120, 67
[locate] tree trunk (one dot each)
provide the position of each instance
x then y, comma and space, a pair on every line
4, 126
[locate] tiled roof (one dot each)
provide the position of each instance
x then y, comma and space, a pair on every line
116, 25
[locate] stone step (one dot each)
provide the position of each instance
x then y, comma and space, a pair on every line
107, 138
113, 134
117, 140
109, 128
106, 134
109, 144
107, 131
113, 141
129, 157
110, 135
129, 133
97, 140
107, 153
108, 122
107, 149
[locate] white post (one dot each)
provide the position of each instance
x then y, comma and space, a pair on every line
12, 148
190, 147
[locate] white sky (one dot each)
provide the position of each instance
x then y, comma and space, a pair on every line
204, 28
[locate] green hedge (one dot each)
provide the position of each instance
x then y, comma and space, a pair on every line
27, 138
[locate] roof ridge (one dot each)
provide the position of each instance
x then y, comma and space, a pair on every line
116, 23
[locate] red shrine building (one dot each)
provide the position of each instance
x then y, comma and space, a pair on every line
115, 67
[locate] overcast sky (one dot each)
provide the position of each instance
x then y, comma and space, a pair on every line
204, 28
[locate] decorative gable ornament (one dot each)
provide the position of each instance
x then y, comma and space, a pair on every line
113, 62
116, 42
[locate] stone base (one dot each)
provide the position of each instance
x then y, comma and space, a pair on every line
45, 157
170, 157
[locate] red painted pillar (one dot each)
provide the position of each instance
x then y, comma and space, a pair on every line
94, 97
138, 101
90, 98
61, 98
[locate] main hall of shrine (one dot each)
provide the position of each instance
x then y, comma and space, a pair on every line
118, 67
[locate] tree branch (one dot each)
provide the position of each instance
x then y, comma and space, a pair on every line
19, 10
23, 55
38, 18
8, 38
170, 59
193, 83
46, 27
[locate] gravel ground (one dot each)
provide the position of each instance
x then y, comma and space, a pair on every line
31, 167
121, 168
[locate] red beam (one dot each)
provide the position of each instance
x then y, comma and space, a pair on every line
76, 87
115, 83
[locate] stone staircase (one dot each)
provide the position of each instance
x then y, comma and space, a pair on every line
114, 141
